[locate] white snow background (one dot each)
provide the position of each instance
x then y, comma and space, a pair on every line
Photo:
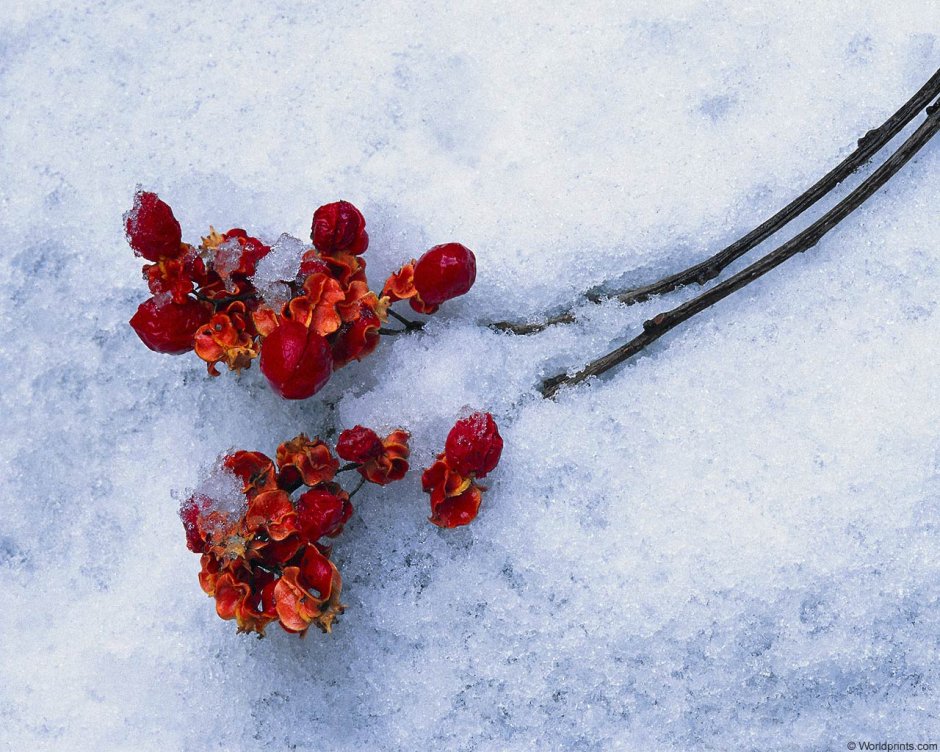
732, 543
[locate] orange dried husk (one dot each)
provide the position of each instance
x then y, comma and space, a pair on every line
227, 338
359, 338
455, 498
401, 284
345, 267
236, 598
297, 606
309, 461
169, 276
392, 463
256, 471
272, 512
316, 308
265, 320
455, 511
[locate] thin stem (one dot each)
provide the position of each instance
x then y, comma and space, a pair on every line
392, 332
348, 466
664, 322
700, 273
361, 483
409, 324
226, 300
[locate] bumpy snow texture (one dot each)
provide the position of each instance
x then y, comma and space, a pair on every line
732, 543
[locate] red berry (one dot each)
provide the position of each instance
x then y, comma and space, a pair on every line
455, 500
474, 445
255, 470
151, 228
321, 512
311, 263
296, 361
338, 227
251, 251
357, 339
189, 515
459, 510
445, 272
169, 327
359, 444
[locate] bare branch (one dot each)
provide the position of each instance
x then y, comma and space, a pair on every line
664, 322
869, 145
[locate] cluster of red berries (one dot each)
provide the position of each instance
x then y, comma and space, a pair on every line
204, 298
472, 450
261, 537
261, 525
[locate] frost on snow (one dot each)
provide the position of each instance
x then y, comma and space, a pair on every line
731, 544
277, 268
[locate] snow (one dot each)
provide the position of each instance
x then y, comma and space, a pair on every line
226, 258
278, 267
731, 543
218, 495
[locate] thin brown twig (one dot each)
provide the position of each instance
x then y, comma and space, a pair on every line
664, 322
409, 324
216, 302
362, 482
704, 271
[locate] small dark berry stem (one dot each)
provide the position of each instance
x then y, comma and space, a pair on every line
224, 301
704, 271
392, 332
359, 485
409, 324
348, 466
664, 322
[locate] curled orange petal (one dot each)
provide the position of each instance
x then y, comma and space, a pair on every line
228, 594
316, 308
392, 463
455, 499
273, 512
401, 284
305, 461
229, 338
265, 320
297, 607
255, 470
458, 510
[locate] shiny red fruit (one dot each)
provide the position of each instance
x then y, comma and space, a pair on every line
339, 227
296, 361
474, 445
252, 251
151, 228
323, 513
359, 444
357, 339
169, 327
189, 515
445, 272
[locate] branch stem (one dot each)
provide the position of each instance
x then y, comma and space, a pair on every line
664, 322
869, 145
359, 485
409, 324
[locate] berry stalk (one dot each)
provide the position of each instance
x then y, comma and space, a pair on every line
869, 145
664, 322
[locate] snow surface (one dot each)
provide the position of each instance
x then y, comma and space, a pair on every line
279, 266
731, 544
